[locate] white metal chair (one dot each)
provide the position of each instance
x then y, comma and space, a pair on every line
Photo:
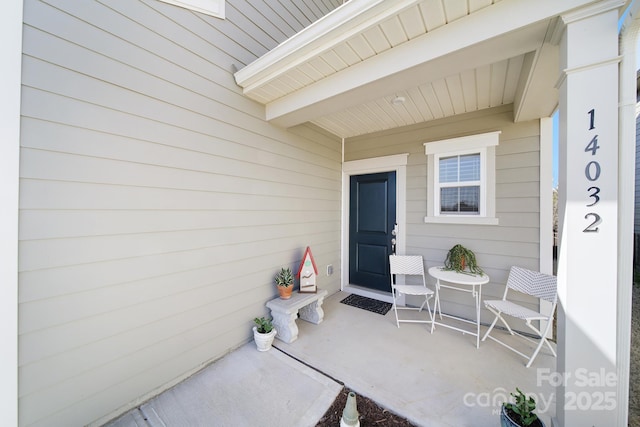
409, 265
532, 283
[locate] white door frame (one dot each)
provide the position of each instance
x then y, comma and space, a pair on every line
397, 163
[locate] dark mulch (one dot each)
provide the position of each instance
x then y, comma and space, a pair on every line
371, 414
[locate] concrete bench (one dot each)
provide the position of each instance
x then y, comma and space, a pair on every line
285, 313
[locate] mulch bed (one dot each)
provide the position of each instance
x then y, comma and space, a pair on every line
371, 414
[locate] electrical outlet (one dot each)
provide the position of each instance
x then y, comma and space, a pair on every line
329, 270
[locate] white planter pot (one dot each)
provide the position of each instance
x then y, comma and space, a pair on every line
263, 341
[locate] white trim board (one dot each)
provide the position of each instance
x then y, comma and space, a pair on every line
11, 53
546, 206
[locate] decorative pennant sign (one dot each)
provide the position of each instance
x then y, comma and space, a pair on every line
307, 273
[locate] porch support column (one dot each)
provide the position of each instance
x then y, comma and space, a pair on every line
627, 155
587, 272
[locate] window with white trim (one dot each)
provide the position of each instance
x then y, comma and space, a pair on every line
461, 180
209, 7
458, 184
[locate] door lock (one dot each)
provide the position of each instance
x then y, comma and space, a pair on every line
394, 233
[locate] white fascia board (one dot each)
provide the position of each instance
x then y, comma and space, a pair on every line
339, 25
489, 23
534, 98
597, 7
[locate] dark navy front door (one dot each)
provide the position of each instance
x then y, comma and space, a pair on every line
372, 210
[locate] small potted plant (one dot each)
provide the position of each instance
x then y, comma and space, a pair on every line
462, 260
520, 413
263, 333
284, 282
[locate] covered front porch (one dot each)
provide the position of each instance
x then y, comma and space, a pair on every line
437, 379
579, 64
159, 175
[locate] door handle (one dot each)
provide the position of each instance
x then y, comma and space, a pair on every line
394, 233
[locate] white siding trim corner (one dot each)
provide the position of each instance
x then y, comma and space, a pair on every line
11, 53
546, 206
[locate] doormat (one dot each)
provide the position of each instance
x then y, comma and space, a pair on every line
368, 304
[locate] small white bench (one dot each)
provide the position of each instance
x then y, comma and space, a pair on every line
285, 313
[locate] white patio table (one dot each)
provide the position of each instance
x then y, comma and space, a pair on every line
464, 282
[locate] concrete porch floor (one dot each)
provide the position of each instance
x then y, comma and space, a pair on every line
437, 379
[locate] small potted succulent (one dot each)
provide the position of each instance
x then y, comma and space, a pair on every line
284, 282
462, 260
263, 333
520, 413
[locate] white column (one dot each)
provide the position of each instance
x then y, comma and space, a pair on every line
626, 205
10, 78
587, 272
546, 207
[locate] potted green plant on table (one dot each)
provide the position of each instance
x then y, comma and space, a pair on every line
284, 282
520, 413
263, 333
462, 260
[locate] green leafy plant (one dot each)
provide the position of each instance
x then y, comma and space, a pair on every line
263, 325
462, 260
522, 410
284, 278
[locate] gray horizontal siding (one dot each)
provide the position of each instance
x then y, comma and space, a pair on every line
156, 204
515, 241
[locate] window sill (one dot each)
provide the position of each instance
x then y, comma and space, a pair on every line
467, 220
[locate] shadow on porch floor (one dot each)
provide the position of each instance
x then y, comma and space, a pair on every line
437, 379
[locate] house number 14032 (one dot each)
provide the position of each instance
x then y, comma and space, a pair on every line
592, 173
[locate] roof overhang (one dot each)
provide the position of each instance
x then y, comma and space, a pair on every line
443, 57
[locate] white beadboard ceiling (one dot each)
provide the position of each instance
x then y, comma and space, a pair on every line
444, 57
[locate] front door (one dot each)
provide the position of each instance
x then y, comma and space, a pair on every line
372, 218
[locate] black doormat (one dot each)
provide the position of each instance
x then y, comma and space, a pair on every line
368, 304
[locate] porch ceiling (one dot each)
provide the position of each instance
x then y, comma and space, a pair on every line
444, 57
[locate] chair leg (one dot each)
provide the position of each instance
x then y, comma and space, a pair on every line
543, 339
490, 327
426, 302
535, 353
550, 348
504, 322
395, 308
544, 334
430, 313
